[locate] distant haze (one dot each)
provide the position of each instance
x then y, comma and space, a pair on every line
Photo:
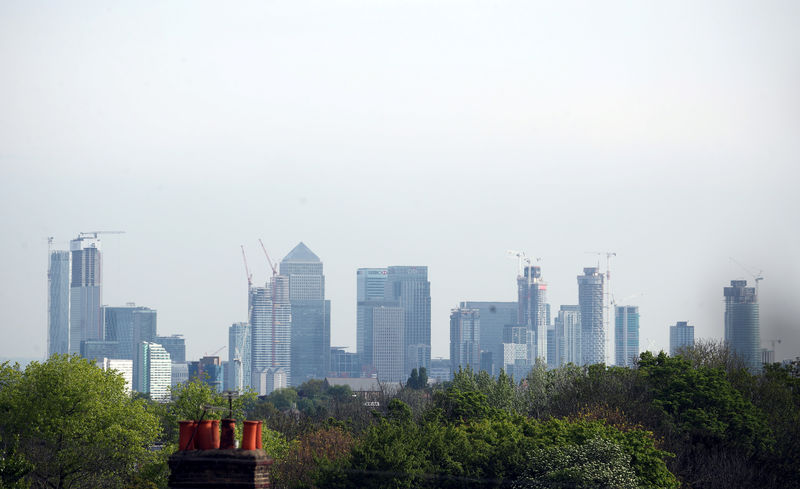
402, 133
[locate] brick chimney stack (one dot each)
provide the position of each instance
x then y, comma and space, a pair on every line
218, 469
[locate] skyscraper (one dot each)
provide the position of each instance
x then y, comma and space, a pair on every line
154, 371
626, 335
85, 319
680, 335
175, 345
239, 356
590, 300
311, 315
58, 303
270, 327
409, 286
494, 317
568, 335
370, 290
388, 338
465, 333
129, 326
742, 323
532, 298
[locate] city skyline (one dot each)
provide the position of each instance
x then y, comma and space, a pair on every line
380, 133
314, 286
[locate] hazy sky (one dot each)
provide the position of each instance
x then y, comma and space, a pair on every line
402, 133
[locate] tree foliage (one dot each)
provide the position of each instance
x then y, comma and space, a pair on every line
74, 423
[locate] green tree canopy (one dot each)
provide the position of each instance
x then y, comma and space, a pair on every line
74, 423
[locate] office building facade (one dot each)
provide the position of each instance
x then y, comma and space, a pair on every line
410, 288
311, 315
680, 335
388, 343
590, 300
494, 317
128, 326
370, 290
742, 323
344, 363
86, 291
465, 333
58, 284
626, 335
175, 345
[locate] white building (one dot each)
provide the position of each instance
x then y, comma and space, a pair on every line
155, 371
122, 367
271, 379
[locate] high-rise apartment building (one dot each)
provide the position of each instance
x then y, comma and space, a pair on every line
370, 290
239, 356
58, 303
154, 371
85, 318
409, 286
311, 315
388, 338
626, 335
532, 312
128, 326
465, 333
742, 323
590, 300
270, 328
568, 335
494, 317
681, 335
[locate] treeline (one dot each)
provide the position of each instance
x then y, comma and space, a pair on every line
698, 420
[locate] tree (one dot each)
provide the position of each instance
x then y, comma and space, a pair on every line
598, 464
75, 424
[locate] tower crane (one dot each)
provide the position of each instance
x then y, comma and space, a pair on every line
217, 351
93, 234
247, 270
757, 277
521, 258
271, 265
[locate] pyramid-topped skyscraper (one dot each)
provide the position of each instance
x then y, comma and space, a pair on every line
311, 323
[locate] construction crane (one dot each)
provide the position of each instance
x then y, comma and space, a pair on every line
622, 301
521, 258
218, 350
93, 234
271, 265
757, 277
247, 270
273, 291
